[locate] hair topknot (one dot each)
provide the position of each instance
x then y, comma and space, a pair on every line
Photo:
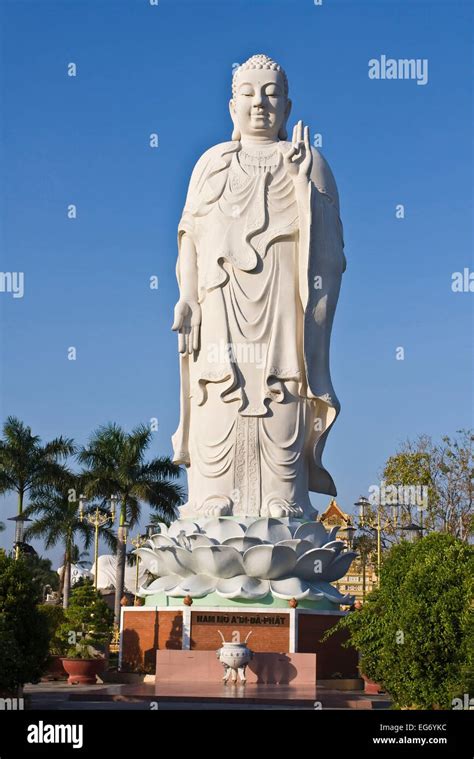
259, 61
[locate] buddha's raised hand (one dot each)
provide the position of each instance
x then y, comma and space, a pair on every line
298, 159
187, 322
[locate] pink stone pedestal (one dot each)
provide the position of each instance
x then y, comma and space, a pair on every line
265, 668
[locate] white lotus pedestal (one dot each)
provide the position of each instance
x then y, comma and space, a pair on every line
268, 577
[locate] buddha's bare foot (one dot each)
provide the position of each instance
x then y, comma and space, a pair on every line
187, 510
280, 508
216, 506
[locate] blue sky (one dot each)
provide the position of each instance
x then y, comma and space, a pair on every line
167, 69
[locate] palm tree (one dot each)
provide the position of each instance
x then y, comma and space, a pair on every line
80, 558
116, 465
60, 521
27, 464
157, 519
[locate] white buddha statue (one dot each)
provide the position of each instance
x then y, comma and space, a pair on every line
259, 270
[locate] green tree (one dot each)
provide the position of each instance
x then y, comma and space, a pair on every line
54, 616
24, 635
115, 465
446, 469
58, 521
26, 463
414, 633
366, 547
43, 572
88, 622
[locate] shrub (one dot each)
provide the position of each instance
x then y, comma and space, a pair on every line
54, 616
88, 623
414, 634
24, 634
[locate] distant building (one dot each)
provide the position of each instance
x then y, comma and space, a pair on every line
353, 581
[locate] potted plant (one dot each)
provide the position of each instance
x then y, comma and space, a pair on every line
54, 616
85, 634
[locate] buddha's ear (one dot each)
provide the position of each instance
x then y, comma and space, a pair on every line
236, 136
283, 134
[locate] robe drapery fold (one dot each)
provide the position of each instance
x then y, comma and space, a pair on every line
256, 229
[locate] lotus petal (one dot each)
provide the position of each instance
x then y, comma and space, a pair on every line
270, 530
339, 567
333, 532
161, 584
336, 545
242, 544
299, 546
246, 588
314, 596
158, 541
290, 587
331, 593
220, 529
152, 561
198, 539
269, 562
194, 585
177, 561
182, 526
314, 563
218, 561
314, 532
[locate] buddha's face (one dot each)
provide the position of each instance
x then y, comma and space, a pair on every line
260, 107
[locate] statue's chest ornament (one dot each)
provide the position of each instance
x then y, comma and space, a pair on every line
259, 161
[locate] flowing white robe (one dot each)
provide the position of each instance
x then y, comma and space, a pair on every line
257, 400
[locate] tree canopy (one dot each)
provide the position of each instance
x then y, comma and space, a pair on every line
414, 634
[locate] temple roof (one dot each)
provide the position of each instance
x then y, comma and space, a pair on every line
335, 515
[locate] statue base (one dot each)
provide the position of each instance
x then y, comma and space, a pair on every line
148, 629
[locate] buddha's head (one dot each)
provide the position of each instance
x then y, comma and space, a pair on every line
260, 105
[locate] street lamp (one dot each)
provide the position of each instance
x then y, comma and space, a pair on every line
19, 520
349, 533
367, 520
363, 503
113, 504
138, 542
97, 519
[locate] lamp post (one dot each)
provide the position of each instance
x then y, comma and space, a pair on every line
19, 520
97, 519
349, 532
122, 537
138, 542
377, 524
